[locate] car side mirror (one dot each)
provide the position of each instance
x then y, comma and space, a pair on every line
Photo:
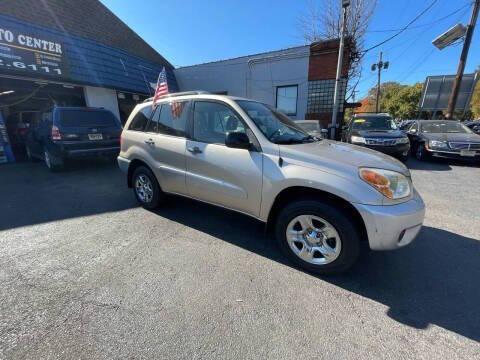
238, 140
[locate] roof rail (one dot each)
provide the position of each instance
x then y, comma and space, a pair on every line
183, 93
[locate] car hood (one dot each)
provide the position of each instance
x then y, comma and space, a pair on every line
452, 137
378, 133
340, 158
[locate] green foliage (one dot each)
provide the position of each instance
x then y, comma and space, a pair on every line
475, 103
400, 101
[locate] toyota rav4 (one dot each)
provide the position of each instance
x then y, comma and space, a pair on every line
322, 198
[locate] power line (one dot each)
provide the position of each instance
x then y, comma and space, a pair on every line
423, 25
401, 30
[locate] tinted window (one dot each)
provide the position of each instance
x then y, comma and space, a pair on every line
287, 99
140, 120
171, 118
212, 121
87, 118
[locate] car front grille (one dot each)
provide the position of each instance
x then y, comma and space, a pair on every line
380, 142
464, 146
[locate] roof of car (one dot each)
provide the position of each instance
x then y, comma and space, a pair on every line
196, 95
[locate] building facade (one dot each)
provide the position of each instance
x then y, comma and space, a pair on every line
300, 81
66, 52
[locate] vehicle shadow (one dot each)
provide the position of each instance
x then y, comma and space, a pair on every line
436, 164
30, 194
434, 281
431, 165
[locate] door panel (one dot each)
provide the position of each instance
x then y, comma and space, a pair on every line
169, 155
216, 173
225, 176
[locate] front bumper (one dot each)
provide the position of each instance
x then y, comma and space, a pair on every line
452, 155
394, 150
390, 227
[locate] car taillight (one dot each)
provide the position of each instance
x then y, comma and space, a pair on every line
56, 133
121, 140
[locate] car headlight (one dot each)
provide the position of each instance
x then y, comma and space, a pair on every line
358, 140
390, 183
438, 144
403, 140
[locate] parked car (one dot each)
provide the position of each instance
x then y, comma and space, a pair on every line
72, 132
322, 198
312, 127
473, 125
443, 139
378, 132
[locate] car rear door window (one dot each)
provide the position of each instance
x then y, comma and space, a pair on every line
212, 121
171, 119
140, 120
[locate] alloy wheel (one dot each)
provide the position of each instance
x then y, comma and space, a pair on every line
313, 239
144, 188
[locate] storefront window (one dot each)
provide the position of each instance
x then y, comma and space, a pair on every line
287, 99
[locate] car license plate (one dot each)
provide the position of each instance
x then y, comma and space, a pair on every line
467, 153
95, 136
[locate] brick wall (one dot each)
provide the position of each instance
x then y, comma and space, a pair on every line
323, 66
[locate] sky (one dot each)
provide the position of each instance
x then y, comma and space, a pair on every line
193, 31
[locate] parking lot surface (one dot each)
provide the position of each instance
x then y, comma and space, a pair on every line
85, 273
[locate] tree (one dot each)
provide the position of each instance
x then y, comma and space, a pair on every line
400, 101
475, 103
323, 21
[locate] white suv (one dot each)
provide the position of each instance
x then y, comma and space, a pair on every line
322, 198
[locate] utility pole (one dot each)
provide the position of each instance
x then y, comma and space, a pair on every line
336, 96
452, 101
379, 66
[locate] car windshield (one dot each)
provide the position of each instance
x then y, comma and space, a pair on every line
277, 127
449, 126
309, 126
373, 123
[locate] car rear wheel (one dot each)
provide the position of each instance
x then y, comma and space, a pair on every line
146, 188
30, 156
318, 237
53, 163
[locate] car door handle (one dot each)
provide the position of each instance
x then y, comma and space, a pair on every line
194, 150
149, 142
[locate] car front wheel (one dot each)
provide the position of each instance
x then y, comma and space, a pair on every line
420, 152
318, 237
146, 188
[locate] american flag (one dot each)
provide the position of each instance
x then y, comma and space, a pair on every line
162, 86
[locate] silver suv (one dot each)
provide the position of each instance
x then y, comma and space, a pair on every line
322, 198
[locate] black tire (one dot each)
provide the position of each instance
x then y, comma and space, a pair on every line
53, 163
403, 158
158, 195
346, 229
420, 152
30, 156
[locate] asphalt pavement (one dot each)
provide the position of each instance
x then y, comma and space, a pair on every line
87, 274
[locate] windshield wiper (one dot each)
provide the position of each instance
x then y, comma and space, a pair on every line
289, 141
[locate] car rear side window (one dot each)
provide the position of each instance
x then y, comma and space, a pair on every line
140, 119
171, 119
